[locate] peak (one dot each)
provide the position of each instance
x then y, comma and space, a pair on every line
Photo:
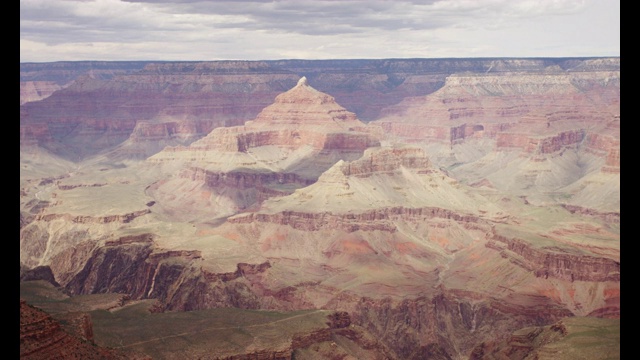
303, 93
303, 104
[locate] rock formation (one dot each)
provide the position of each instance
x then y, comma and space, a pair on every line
41, 337
103, 102
481, 198
287, 146
567, 339
551, 133
36, 90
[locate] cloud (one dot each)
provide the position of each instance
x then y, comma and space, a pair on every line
314, 28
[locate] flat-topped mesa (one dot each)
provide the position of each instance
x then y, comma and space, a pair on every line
377, 161
487, 105
386, 160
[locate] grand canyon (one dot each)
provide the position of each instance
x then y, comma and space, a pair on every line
320, 209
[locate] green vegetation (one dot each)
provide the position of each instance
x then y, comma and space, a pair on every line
224, 331
220, 331
587, 338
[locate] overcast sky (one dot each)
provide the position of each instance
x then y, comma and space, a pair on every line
55, 30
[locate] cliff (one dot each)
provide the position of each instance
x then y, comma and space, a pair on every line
491, 105
288, 145
41, 337
36, 90
557, 263
268, 198
222, 93
571, 338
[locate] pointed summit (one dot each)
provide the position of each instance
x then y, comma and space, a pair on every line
303, 105
302, 117
303, 93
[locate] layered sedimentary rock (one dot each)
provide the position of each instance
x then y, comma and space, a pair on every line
476, 230
567, 339
300, 116
490, 105
550, 136
106, 100
289, 144
41, 337
441, 221
558, 264
191, 96
427, 245
36, 90
64, 217
65, 72
228, 333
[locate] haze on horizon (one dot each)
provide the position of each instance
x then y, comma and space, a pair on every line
192, 30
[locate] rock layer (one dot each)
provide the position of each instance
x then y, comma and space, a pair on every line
306, 207
41, 337
214, 94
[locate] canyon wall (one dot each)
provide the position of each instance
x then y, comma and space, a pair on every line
256, 185
200, 96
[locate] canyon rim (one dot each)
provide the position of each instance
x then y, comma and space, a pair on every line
321, 209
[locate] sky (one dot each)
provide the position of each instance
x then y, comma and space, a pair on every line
190, 30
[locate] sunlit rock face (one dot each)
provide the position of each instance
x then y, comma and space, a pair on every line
287, 146
536, 135
36, 90
100, 104
459, 222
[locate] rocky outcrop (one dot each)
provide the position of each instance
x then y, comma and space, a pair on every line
36, 90
152, 131
297, 117
242, 270
403, 248
42, 337
113, 268
607, 143
102, 113
522, 344
39, 273
538, 113
84, 219
556, 263
610, 217
151, 136
388, 160
74, 186
410, 328
337, 327
231, 92
540, 145
244, 180
288, 146
582, 337
378, 219
134, 267
34, 134
415, 327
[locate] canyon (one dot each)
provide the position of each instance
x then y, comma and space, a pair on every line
361, 209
